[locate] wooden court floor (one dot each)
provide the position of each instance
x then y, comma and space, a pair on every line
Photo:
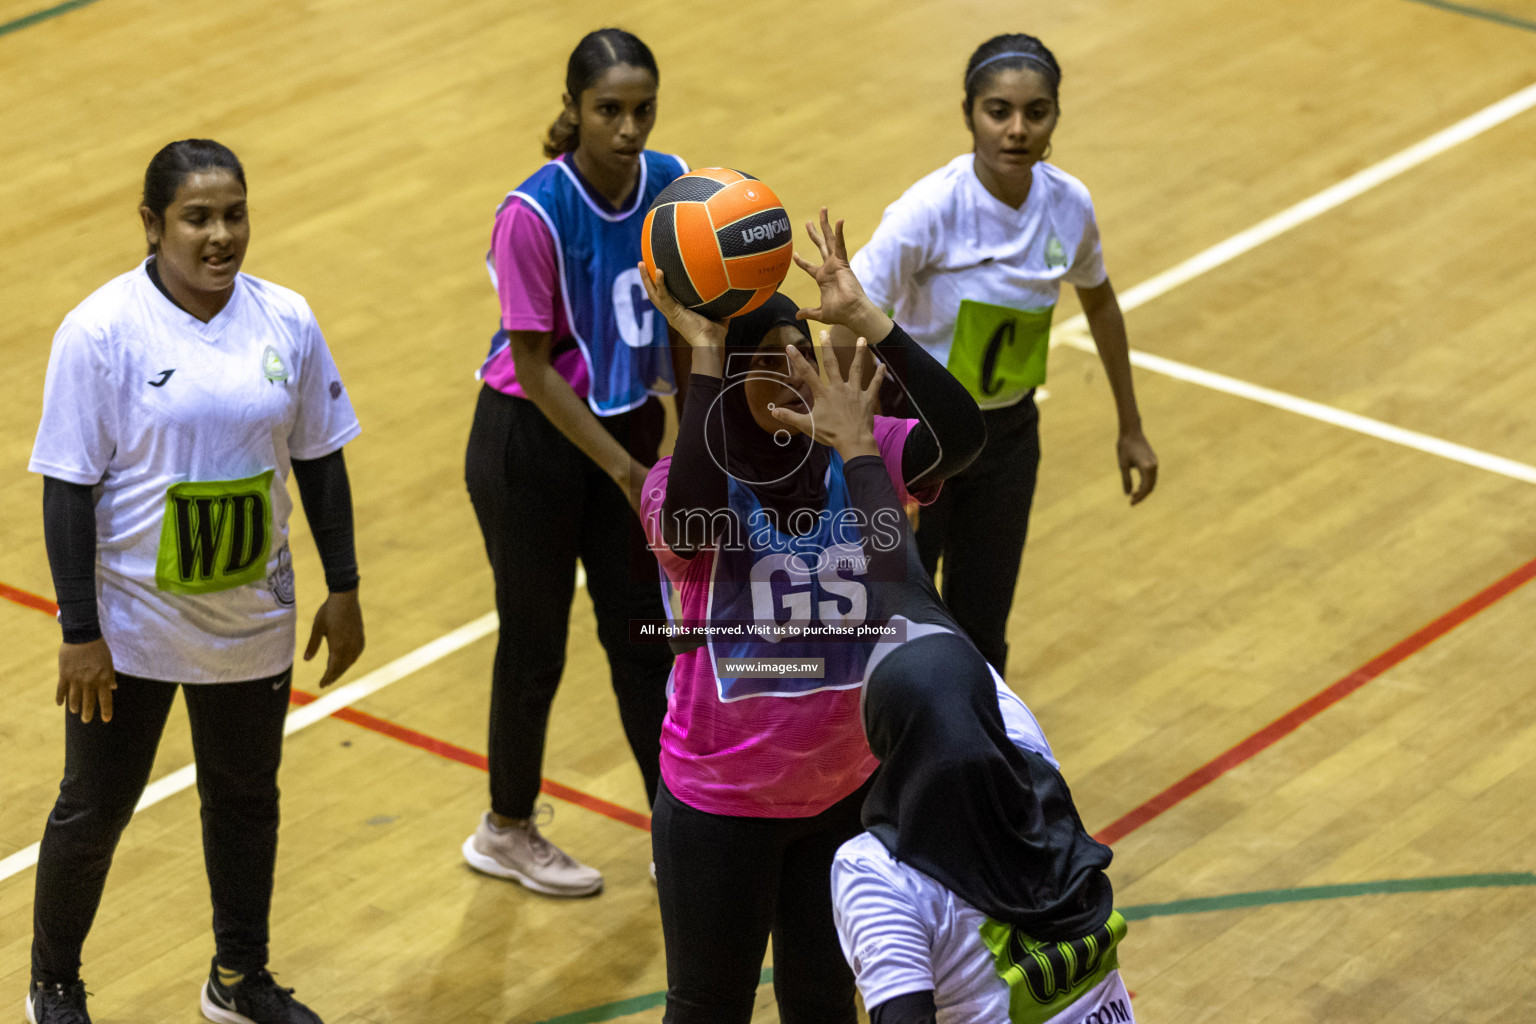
1367, 859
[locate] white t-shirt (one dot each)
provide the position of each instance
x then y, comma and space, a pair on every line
966, 274
159, 411
904, 932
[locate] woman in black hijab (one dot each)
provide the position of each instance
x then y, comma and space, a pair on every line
764, 768
975, 890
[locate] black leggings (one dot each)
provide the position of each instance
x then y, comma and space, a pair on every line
237, 737
725, 884
542, 504
978, 525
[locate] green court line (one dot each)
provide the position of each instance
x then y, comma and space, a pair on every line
608, 1011
1142, 911
1267, 897
28, 20
1498, 17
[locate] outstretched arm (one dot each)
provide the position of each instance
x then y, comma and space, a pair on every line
697, 489
950, 431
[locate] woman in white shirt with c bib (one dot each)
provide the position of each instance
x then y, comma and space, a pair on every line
971, 260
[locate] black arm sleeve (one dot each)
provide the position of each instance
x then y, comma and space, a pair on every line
697, 490
950, 430
912, 1008
69, 532
327, 498
885, 538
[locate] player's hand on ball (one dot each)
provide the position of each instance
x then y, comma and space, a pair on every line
86, 679
697, 331
340, 621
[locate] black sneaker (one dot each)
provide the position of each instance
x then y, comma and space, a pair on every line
256, 999
57, 1004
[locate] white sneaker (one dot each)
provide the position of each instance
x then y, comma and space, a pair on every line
520, 853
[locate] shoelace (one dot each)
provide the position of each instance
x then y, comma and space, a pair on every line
544, 851
70, 1005
264, 993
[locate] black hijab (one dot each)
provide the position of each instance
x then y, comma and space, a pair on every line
955, 799
785, 477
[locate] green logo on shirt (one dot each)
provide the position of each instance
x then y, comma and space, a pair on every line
1055, 253
1044, 978
999, 352
216, 535
272, 366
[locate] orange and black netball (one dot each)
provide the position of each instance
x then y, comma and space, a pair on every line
722, 238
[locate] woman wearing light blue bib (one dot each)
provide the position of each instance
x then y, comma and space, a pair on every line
565, 428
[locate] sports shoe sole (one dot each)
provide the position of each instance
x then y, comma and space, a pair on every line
30, 1019
219, 1014
493, 867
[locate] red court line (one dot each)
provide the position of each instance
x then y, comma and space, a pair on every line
28, 600
404, 735
1111, 833
456, 753
1304, 712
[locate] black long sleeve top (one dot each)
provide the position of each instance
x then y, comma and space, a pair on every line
948, 437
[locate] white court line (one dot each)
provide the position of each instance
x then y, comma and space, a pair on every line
1335, 195
1325, 413
303, 717
1070, 333
1074, 332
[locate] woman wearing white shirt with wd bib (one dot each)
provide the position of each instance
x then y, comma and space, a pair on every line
179, 396
971, 261
975, 895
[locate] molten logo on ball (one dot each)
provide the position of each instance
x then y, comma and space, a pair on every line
763, 232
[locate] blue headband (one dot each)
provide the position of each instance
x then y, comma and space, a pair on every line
1037, 61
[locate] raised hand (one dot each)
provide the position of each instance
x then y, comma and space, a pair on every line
842, 410
842, 297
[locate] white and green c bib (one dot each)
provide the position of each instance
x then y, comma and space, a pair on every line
999, 352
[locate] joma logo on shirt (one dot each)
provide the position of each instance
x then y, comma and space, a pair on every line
762, 232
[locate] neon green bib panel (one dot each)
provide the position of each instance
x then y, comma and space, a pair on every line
999, 352
216, 535
1045, 978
